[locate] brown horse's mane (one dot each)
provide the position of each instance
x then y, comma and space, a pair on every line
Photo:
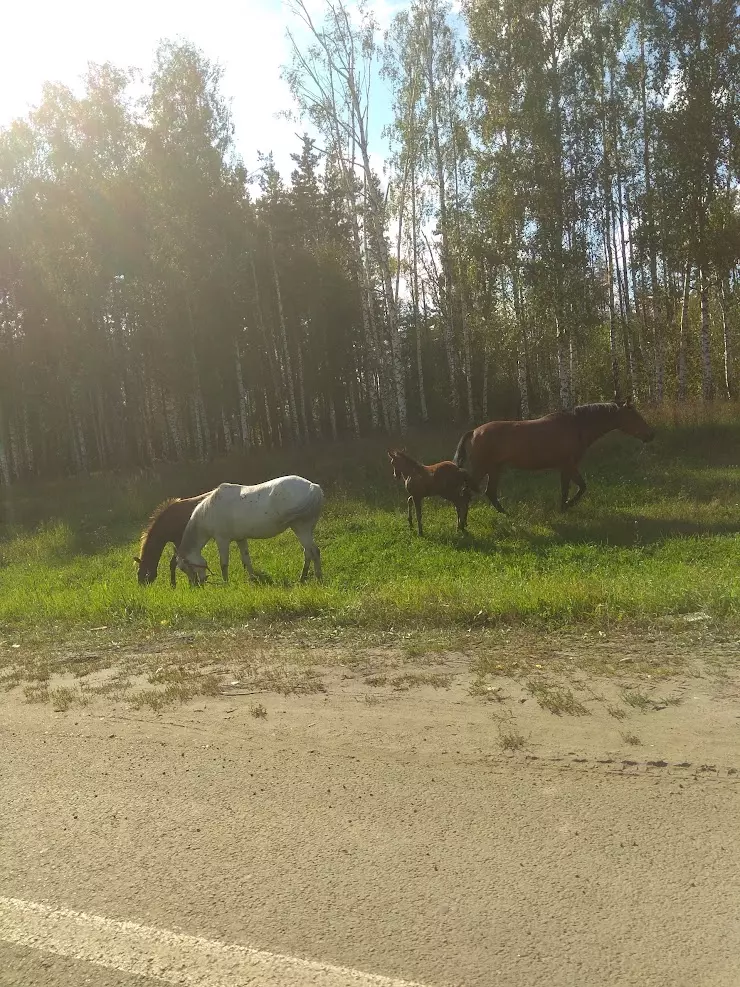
154, 517
596, 408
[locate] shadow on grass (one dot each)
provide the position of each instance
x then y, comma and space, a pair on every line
625, 531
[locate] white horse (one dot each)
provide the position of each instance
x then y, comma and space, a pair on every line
235, 513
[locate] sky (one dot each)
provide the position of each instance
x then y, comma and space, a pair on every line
45, 40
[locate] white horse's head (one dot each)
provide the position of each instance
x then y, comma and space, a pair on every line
195, 569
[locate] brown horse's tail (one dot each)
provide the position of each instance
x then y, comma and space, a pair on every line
461, 451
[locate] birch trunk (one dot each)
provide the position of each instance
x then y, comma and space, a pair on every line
243, 421
613, 345
445, 282
353, 408
175, 426
284, 341
271, 349
226, 428
521, 332
726, 341
4, 464
658, 347
683, 332
198, 428
415, 301
302, 409
564, 367
707, 382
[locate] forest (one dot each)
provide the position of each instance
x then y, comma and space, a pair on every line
557, 222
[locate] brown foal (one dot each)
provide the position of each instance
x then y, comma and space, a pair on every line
444, 480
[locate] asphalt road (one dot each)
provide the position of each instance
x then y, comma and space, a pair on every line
335, 842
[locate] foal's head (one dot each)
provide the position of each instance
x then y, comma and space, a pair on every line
403, 465
631, 421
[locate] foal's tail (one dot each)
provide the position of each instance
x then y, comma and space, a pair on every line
461, 453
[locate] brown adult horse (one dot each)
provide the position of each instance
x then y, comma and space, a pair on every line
444, 480
554, 442
166, 524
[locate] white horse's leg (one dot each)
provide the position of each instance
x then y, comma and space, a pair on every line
223, 553
304, 534
246, 560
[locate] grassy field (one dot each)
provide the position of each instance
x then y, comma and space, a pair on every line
657, 535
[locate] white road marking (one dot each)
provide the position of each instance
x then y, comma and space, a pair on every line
171, 957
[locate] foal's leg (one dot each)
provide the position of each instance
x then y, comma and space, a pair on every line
417, 504
246, 560
410, 503
576, 477
223, 554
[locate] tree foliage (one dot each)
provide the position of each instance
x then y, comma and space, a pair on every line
558, 220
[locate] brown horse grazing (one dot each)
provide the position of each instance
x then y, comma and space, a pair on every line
556, 441
166, 524
445, 480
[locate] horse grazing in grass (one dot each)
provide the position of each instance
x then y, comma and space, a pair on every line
556, 441
445, 480
235, 513
166, 524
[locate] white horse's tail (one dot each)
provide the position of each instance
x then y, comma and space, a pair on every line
311, 507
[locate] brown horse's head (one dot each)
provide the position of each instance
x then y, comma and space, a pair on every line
145, 573
632, 423
166, 524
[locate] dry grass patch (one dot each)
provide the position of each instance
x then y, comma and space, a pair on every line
410, 680
511, 740
376, 680
556, 699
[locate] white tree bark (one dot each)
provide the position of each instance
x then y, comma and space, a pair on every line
683, 332
707, 381
243, 420
726, 341
288, 377
4, 464
564, 367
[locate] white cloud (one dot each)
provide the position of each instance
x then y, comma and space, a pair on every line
48, 41
51, 41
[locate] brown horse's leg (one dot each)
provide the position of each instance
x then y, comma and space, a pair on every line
417, 502
565, 477
564, 485
411, 515
492, 491
581, 484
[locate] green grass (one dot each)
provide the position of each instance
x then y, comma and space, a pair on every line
657, 535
